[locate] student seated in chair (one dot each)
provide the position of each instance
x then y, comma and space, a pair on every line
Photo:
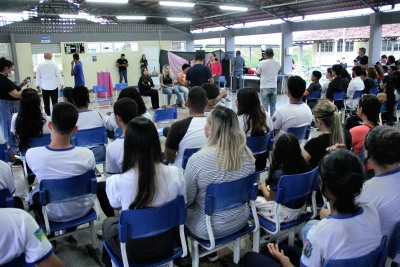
214, 96
343, 234
60, 160
7, 181
20, 234
286, 160
88, 119
145, 182
125, 110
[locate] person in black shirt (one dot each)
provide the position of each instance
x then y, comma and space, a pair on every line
361, 59
122, 64
9, 97
369, 83
338, 84
198, 74
147, 88
143, 62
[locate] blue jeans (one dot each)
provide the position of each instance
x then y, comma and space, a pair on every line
234, 82
7, 108
307, 228
123, 74
183, 90
169, 92
268, 98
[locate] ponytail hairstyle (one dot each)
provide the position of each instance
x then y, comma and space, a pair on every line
30, 119
327, 112
370, 107
142, 152
287, 157
253, 113
390, 97
5, 63
342, 175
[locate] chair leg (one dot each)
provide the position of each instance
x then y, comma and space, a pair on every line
93, 234
256, 241
236, 251
171, 264
195, 252
291, 237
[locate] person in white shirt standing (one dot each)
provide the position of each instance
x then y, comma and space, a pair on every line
48, 79
356, 84
268, 70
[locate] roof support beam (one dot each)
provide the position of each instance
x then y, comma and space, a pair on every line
365, 2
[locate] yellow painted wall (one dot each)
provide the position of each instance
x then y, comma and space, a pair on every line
105, 61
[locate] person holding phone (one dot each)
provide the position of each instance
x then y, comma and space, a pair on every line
48, 80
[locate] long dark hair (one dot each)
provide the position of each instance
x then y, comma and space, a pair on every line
342, 175
145, 78
30, 119
390, 97
370, 107
132, 93
249, 106
5, 63
287, 157
142, 152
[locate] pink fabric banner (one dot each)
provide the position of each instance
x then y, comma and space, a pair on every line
104, 78
176, 62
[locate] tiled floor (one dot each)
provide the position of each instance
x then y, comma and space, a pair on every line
76, 255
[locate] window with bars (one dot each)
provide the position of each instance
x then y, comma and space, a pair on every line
178, 45
349, 46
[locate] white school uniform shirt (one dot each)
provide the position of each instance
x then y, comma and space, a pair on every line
382, 191
115, 156
268, 69
21, 234
49, 163
292, 115
48, 75
89, 119
46, 129
342, 237
122, 188
6, 177
356, 84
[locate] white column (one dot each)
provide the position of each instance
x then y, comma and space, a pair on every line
287, 41
375, 38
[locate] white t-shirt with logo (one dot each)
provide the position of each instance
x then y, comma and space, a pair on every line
382, 191
122, 188
115, 156
6, 177
49, 163
342, 237
21, 234
268, 69
292, 115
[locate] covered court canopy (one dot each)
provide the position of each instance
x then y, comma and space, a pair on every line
203, 14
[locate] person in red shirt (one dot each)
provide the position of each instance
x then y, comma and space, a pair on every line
216, 68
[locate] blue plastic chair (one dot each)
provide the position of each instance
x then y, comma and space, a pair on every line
375, 258
292, 192
357, 95
17, 262
4, 156
383, 110
302, 132
101, 89
260, 144
187, 154
6, 199
141, 223
374, 91
164, 116
120, 86
338, 98
65, 190
393, 246
222, 197
60, 93
118, 133
314, 96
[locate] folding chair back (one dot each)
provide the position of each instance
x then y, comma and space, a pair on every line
339, 96
302, 132
187, 154
260, 144
374, 91
165, 114
148, 222
90, 137
394, 242
357, 95
4, 156
43, 140
121, 86
375, 258
316, 94
6, 199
